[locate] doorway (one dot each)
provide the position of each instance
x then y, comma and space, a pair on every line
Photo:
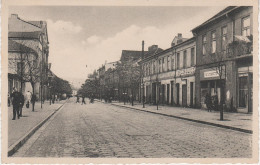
177, 94
191, 94
184, 95
168, 93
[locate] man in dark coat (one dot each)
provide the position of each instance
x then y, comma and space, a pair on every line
208, 102
17, 101
83, 100
21, 105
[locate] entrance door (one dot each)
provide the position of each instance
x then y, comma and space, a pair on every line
177, 94
184, 95
243, 92
191, 94
172, 93
154, 93
168, 93
163, 94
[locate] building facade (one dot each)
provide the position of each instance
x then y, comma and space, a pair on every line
32, 35
169, 74
225, 59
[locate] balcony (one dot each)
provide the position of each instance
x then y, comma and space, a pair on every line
240, 47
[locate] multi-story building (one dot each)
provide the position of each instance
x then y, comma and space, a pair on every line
33, 36
169, 74
225, 59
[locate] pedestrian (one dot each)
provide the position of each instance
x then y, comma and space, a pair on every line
208, 102
77, 99
83, 100
21, 105
56, 98
53, 99
33, 100
28, 96
8, 99
16, 101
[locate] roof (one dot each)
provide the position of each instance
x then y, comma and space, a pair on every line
31, 35
14, 46
149, 53
131, 55
19, 25
215, 17
36, 23
158, 53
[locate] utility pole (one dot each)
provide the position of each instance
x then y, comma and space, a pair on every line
143, 74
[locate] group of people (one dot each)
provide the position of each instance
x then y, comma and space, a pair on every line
83, 99
17, 99
211, 102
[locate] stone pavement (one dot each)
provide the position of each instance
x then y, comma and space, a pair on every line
236, 121
21, 127
106, 131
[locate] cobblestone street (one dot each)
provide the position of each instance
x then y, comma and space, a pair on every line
104, 130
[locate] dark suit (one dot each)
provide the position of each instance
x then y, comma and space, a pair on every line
17, 101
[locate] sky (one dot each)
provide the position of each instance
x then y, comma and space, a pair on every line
82, 38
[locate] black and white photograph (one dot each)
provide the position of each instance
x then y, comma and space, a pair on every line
115, 81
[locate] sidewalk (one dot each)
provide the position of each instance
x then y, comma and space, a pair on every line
20, 128
236, 121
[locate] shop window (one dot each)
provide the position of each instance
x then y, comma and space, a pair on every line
246, 26
243, 92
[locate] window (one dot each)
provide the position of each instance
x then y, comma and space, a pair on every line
169, 62
154, 67
192, 58
163, 64
204, 42
159, 66
185, 59
173, 62
178, 60
223, 38
246, 26
213, 42
20, 68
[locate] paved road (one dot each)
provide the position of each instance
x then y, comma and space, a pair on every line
103, 130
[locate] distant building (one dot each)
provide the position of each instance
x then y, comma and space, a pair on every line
169, 74
27, 37
226, 40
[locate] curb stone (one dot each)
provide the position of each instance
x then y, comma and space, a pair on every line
188, 119
13, 148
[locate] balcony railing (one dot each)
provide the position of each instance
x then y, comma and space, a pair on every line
240, 48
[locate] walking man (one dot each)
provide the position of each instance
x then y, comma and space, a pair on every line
21, 105
83, 100
77, 99
16, 100
208, 102
28, 96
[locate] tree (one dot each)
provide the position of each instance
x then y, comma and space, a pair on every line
219, 59
25, 63
129, 75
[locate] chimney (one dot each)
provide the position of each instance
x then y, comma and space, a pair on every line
14, 16
179, 35
152, 48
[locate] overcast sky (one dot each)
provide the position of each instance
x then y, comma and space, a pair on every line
90, 35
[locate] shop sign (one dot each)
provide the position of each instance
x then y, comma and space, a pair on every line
212, 74
185, 72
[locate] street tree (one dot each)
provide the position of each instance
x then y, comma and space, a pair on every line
25, 62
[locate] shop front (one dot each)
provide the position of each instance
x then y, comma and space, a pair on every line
245, 89
212, 83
